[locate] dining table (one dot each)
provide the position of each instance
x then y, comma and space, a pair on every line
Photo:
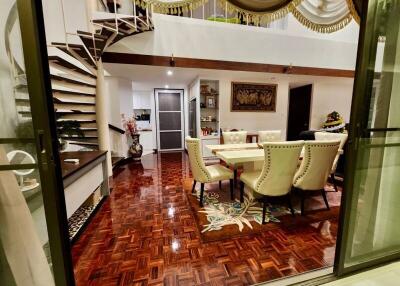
249, 156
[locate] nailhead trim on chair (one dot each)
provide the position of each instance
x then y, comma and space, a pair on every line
195, 145
308, 148
260, 180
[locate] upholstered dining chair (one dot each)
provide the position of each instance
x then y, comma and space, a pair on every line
276, 177
327, 136
202, 173
315, 168
269, 136
234, 137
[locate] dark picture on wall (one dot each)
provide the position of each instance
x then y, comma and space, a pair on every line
253, 97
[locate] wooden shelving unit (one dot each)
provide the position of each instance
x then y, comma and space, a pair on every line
209, 108
204, 93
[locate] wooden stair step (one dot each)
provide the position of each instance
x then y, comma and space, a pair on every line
64, 63
90, 35
112, 20
73, 142
56, 100
22, 102
25, 114
79, 50
95, 43
81, 121
21, 88
72, 81
78, 137
73, 93
75, 112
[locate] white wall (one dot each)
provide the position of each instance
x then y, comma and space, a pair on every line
8, 112
76, 18
253, 121
195, 38
114, 112
329, 94
119, 101
125, 97
332, 94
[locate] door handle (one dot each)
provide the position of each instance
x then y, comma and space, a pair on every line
41, 150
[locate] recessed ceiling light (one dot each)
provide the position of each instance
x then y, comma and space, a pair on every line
166, 86
169, 72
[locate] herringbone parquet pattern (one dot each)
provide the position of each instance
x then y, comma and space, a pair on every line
145, 234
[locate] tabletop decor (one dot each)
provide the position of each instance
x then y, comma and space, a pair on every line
136, 149
253, 97
334, 123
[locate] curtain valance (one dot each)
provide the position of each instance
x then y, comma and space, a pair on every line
323, 16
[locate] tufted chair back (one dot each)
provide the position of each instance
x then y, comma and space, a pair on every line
269, 136
316, 165
234, 137
327, 136
281, 160
199, 170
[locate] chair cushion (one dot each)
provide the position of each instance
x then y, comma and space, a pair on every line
219, 172
250, 178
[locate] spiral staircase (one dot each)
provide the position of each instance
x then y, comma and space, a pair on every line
74, 87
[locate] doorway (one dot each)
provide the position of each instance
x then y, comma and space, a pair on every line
298, 118
170, 121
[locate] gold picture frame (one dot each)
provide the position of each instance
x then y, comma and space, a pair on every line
253, 97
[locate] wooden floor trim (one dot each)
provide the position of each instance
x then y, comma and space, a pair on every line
150, 60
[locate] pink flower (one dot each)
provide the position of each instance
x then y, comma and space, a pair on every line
130, 125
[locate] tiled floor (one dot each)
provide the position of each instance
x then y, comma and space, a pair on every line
145, 234
388, 275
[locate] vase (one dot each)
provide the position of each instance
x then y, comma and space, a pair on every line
136, 150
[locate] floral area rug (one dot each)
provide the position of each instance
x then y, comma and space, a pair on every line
222, 218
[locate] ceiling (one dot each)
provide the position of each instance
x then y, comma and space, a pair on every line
150, 77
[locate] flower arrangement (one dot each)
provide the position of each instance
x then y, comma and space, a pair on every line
334, 123
130, 125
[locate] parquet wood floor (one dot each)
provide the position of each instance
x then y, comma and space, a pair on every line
145, 234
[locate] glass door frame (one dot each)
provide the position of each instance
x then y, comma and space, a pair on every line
364, 75
158, 91
43, 119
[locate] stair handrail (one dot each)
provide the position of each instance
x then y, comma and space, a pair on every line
115, 128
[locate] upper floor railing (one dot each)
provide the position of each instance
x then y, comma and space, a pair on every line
210, 10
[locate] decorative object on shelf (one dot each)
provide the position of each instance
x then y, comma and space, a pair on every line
207, 131
210, 101
253, 97
204, 88
135, 150
213, 91
202, 105
334, 123
18, 157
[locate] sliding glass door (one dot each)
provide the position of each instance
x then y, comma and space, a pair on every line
370, 232
34, 242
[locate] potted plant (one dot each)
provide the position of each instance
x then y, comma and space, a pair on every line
67, 128
135, 150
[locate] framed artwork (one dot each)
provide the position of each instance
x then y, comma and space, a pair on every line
210, 101
258, 97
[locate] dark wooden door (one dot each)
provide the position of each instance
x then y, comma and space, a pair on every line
299, 111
